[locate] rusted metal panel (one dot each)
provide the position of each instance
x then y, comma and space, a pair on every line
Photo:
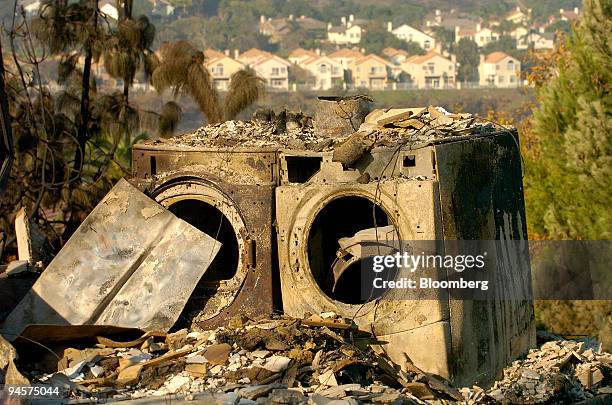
234, 165
131, 263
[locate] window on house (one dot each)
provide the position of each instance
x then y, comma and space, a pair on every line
373, 70
335, 70
427, 44
512, 79
430, 67
323, 68
218, 70
283, 69
510, 66
275, 71
496, 67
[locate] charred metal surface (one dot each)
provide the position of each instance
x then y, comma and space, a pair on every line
461, 187
482, 199
12, 290
466, 188
120, 268
240, 184
233, 165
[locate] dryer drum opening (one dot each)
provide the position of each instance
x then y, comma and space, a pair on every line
212, 222
343, 217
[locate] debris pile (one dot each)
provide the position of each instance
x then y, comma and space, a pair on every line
288, 130
398, 125
384, 127
565, 371
280, 360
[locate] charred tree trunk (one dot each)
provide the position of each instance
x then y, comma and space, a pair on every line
83, 130
127, 14
6, 146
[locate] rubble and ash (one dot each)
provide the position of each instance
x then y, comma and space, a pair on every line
279, 359
388, 127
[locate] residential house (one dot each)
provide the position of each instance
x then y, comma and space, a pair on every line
500, 70
250, 56
481, 35
519, 33
325, 72
569, 15
300, 54
277, 28
274, 28
213, 53
221, 68
395, 56
537, 41
369, 71
409, 34
434, 19
518, 16
346, 56
347, 33
449, 19
313, 28
431, 71
273, 69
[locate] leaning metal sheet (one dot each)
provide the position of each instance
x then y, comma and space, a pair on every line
131, 263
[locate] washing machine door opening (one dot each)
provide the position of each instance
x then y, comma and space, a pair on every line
341, 225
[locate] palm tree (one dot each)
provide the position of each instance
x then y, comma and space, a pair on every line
128, 51
73, 29
182, 70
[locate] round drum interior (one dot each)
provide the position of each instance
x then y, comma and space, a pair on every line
329, 240
212, 222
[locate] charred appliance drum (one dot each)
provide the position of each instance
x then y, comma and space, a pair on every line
229, 195
455, 188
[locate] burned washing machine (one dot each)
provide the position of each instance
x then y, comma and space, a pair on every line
294, 222
228, 193
434, 192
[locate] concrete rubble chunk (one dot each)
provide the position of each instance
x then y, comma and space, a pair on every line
396, 114
328, 378
277, 363
217, 354
32, 245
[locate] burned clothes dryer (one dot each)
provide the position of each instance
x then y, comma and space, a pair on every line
228, 194
430, 194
